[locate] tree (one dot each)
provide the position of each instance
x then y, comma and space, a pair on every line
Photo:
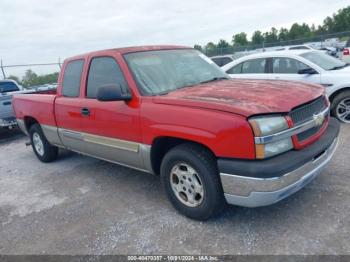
223, 44
271, 37
240, 39
338, 22
210, 49
299, 31
257, 38
29, 78
283, 34
15, 78
198, 47
32, 79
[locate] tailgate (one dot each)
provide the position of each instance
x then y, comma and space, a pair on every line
6, 109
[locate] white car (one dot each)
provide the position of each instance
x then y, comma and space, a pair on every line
300, 65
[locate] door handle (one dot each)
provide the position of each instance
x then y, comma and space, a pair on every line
85, 111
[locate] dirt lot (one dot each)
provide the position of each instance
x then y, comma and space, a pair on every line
80, 205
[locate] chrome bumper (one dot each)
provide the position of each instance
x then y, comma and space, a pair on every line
254, 192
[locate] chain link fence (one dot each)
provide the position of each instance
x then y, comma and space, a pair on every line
321, 39
6, 67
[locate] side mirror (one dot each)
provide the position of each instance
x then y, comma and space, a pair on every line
112, 93
307, 71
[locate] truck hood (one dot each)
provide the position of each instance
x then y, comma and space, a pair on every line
244, 97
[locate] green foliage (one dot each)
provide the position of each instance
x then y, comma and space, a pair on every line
272, 36
32, 79
198, 47
240, 39
339, 22
223, 44
14, 78
257, 38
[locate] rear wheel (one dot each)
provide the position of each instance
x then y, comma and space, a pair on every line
41, 147
341, 107
190, 178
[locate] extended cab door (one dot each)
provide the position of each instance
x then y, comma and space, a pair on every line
68, 106
111, 129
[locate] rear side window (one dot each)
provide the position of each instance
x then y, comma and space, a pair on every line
71, 79
217, 61
256, 66
236, 69
284, 65
8, 87
225, 61
104, 71
221, 61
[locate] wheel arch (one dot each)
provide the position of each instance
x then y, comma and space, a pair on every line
337, 92
29, 121
163, 144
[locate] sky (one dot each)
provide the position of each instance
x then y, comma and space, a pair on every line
41, 31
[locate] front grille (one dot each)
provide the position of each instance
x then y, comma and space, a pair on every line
305, 113
308, 133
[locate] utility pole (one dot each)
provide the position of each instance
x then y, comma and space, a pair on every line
2, 69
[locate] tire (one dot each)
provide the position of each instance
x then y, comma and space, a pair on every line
201, 183
341, 107
41, 147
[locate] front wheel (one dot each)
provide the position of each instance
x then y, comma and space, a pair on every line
41, 147
341, 107
191, 181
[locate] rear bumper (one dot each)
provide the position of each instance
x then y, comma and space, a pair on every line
269, 181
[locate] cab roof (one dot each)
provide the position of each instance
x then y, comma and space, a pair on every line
131, 49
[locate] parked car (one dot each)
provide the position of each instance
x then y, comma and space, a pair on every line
300, 65
332, 51
7, 116
10, 87
345, 56
225, 59
222, 59
171, 111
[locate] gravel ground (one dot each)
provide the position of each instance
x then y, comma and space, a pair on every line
80, 205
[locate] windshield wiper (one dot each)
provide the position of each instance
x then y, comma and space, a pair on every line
214, 79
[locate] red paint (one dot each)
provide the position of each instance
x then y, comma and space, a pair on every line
213, 114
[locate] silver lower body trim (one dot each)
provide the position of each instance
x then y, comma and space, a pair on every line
22, 126
254, 192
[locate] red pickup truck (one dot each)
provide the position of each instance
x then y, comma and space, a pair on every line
171, 111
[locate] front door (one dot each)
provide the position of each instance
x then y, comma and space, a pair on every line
111, 130
285, 68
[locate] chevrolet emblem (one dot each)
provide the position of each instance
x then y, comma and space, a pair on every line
319, 118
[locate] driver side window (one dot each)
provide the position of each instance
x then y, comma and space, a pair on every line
104, 71
284, 65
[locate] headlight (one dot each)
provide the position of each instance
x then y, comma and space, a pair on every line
264, 126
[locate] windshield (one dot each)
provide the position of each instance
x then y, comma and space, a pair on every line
8, 87
160, 72
323, 60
